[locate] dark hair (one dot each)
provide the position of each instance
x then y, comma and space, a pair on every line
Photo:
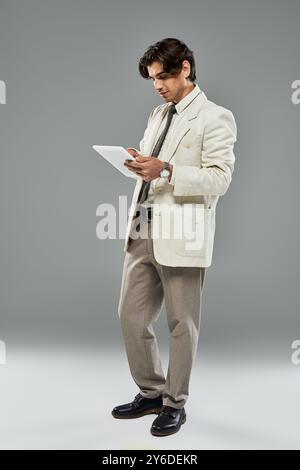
171, 52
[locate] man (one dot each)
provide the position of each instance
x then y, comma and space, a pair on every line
185, 161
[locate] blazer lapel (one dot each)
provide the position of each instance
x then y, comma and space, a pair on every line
153, 135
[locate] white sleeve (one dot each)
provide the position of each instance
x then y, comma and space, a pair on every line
218, 159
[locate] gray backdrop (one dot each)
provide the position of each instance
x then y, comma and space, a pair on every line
70, 69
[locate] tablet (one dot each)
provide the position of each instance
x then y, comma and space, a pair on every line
116, 156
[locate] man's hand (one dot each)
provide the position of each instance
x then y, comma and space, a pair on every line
148, 168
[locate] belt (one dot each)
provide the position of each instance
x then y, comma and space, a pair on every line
149, 214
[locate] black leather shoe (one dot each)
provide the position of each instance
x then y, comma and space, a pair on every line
168, 421
140, 406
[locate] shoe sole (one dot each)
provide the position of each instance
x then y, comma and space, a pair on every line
168, 433
139, 415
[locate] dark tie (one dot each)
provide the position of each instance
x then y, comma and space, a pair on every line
146, 184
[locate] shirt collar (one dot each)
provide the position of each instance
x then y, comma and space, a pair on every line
182, 104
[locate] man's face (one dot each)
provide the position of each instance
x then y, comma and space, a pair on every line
170, 88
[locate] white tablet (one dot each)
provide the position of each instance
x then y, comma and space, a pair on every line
116, 155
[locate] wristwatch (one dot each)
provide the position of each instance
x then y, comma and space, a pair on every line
165, 172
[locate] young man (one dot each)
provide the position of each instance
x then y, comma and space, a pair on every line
186, 160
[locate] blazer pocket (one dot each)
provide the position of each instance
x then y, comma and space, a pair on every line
196, 231
188, 155
191, 140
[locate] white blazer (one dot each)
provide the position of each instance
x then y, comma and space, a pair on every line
201, 150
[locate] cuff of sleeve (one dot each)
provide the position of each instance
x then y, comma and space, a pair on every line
172, 180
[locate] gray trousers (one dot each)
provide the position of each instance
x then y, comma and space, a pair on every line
145, 285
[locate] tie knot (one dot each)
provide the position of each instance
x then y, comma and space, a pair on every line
172, 109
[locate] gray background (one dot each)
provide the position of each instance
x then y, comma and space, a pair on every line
70, 69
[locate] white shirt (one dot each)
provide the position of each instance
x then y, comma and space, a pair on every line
181, 107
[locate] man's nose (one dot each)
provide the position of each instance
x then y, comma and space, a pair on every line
158, 85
